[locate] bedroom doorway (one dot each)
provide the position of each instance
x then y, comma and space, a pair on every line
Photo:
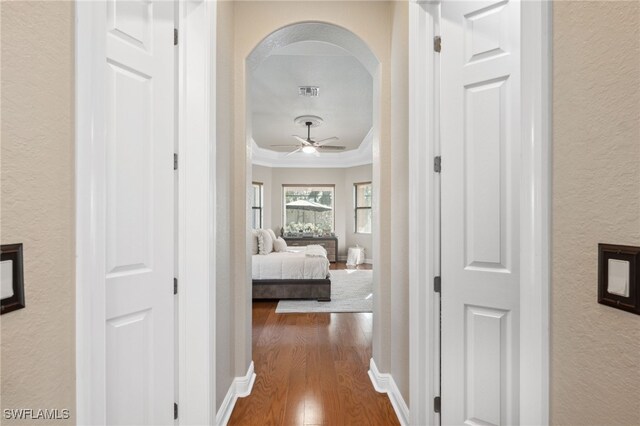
312, 125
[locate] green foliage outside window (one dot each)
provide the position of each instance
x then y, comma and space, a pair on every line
309, 209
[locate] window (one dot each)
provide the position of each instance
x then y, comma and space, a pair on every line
362, 196
256, 206
308, 209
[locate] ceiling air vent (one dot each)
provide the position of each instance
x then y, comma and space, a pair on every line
311, 91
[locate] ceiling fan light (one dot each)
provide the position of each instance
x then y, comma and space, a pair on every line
308, 149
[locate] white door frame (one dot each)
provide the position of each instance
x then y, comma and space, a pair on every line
197, 212
196, 207
535, 205
423, 213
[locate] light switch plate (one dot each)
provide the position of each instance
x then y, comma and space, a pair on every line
6, 279
11, 277
619, 277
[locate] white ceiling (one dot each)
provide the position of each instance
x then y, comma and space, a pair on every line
345, 102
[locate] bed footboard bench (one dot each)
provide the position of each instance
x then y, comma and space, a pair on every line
293, 289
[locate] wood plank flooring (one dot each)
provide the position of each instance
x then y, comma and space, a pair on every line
312, 370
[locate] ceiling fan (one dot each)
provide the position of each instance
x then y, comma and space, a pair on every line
309, 146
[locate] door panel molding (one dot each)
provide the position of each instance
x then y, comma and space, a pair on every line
124, 206
96, 25
480, 185
533, 249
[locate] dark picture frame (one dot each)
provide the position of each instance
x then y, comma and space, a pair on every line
630, 254
13, 252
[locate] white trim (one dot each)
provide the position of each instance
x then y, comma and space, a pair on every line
196, 205
384, 383
240, 388
244, 385
535, 205
535, 249
90, 201
423, 214
344, 259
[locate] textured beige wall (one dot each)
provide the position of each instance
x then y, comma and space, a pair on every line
355, 175
37, 205
265, 176
595, 350
400, 198
225, 363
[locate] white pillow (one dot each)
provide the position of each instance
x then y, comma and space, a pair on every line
254, 241
273, 234
265, 242
279, 245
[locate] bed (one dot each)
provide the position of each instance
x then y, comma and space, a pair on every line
291, 275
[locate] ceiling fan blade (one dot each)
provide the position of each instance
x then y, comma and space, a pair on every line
283, 146
293, 152
331, 147
325, 141
302, 140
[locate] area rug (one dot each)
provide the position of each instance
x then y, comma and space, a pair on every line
351, 291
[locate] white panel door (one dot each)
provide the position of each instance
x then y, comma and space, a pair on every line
480, 146
139, 211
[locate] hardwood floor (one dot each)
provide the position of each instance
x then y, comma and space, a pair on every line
312, 370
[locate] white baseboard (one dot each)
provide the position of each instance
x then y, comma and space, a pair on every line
344, 259
240, 387
384, 383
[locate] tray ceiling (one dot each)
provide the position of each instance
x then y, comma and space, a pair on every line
345, 102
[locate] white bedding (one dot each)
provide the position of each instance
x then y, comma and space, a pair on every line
289, 265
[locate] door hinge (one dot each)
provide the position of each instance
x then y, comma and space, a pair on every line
436, 404
175, 411
175, 36
436, 284
437, 164
437, 44
175, 161
175, 286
